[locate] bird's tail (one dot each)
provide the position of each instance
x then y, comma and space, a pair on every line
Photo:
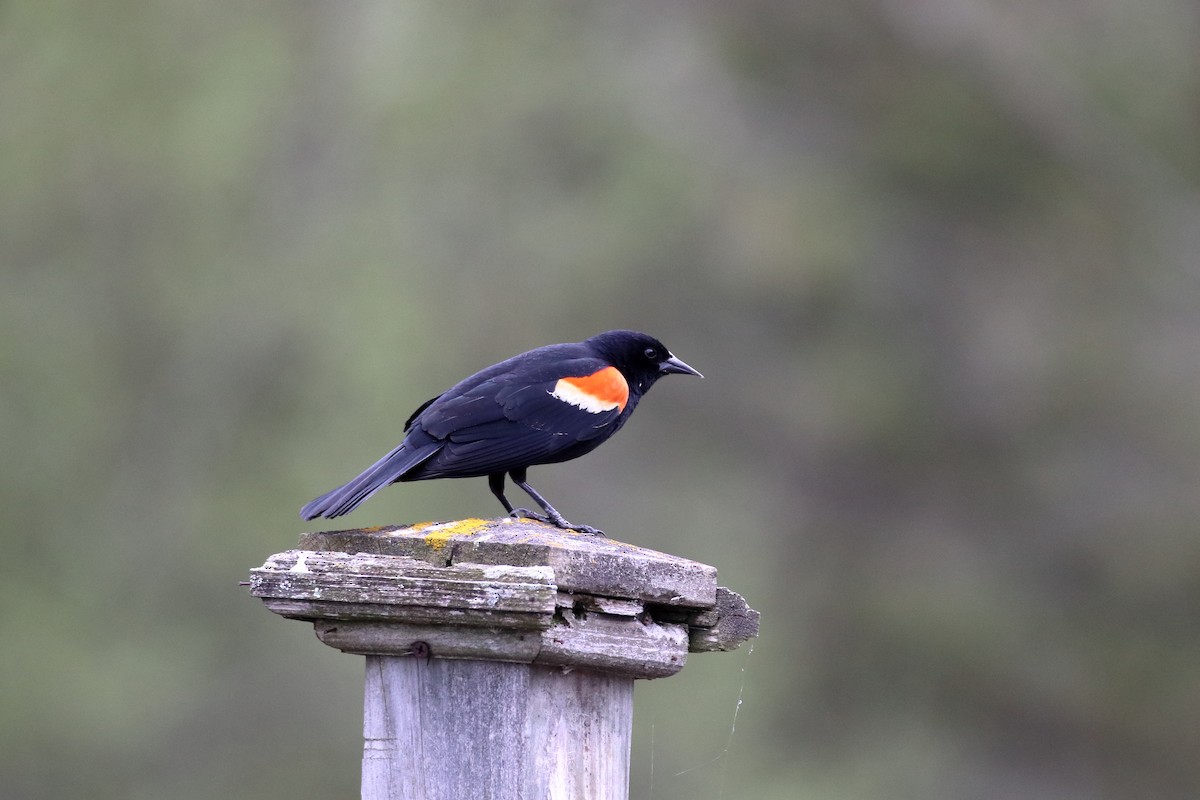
388, 469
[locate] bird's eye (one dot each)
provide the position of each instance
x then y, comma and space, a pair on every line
651, 353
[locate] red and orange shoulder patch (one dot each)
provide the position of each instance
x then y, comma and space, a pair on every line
601, 391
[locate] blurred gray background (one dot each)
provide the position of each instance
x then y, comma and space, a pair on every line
937, 258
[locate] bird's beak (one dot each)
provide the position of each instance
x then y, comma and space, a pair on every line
674, 364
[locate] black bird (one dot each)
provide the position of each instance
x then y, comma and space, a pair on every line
549, 405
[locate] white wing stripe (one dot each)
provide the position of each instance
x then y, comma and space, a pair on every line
573, 395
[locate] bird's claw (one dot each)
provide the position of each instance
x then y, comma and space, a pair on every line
557, 521
525, 513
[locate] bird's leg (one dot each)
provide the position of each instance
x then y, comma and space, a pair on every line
552, 515
496, 484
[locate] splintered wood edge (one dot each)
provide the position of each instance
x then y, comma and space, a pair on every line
725, 627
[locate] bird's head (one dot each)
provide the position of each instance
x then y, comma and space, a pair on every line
641, 358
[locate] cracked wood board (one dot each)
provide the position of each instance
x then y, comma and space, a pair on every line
582, 563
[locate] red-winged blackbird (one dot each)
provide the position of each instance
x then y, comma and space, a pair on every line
551, 404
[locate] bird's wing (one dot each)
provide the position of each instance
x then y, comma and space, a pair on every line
408, 422
559, 408
520, 417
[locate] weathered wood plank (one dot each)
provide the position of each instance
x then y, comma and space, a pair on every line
309, 585
586, 564
437, 641
598, 642
453, 730
580, 725
616, 644
312, 610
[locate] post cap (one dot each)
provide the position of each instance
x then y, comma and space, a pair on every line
504, 589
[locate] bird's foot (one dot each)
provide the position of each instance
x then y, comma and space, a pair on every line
525, 513
556, 520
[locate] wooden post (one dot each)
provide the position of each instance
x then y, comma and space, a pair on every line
501, 654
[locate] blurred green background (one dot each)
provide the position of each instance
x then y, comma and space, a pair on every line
937, 258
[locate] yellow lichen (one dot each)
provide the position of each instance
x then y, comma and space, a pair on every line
438, 533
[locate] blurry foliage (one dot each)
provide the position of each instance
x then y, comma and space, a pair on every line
936, 258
